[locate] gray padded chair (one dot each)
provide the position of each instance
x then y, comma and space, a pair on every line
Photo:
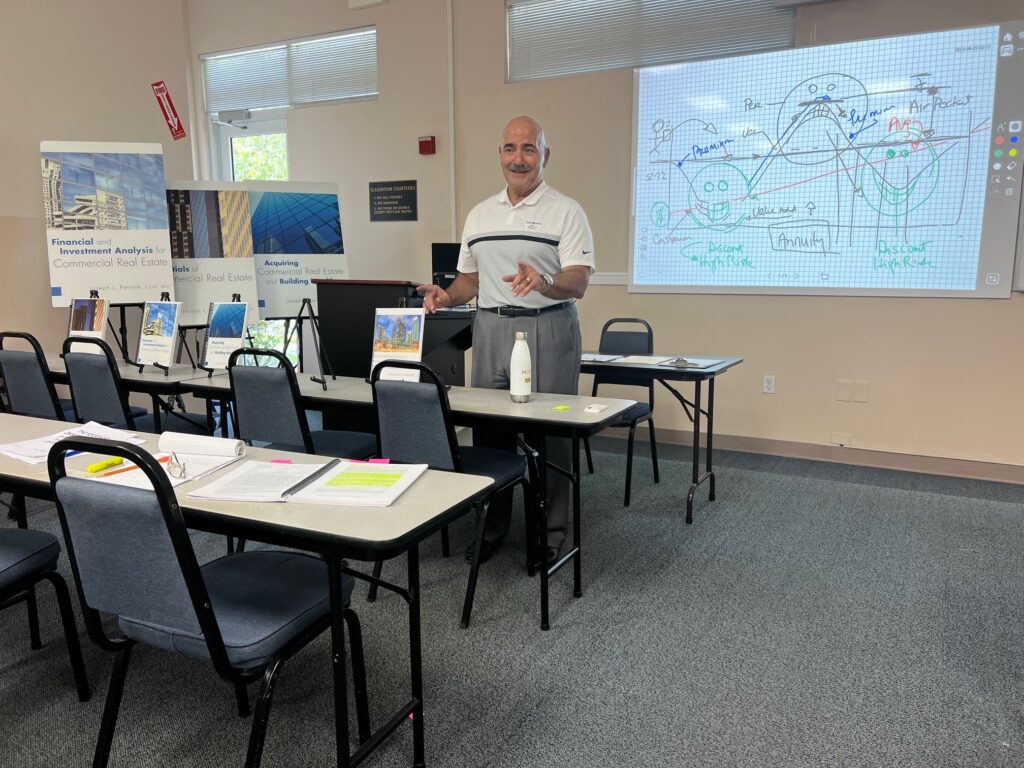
26, 558
267, 407
414, 426
631, 342
99, 393
247, 613
26, 376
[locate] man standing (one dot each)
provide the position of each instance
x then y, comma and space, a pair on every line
527, 256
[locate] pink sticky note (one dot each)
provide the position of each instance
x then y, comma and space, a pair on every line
280, 461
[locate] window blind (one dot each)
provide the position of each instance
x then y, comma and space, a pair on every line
324, 68
547, 38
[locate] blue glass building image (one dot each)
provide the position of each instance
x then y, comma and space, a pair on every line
295, 223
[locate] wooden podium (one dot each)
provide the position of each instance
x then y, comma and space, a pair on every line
346, 311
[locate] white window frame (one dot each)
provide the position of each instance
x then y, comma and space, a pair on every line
260, 124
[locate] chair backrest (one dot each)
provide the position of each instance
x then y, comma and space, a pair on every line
129, 550
414, 423
617, 341
27, 378
96, 387
266, 399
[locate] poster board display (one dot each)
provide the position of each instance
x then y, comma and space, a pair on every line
106, 220
262, 240
225, 332
159, 333
88, 317
397, 335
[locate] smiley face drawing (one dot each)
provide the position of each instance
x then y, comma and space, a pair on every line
715, 196
813, 122
900, 173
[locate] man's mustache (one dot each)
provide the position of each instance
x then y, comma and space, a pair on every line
519, 167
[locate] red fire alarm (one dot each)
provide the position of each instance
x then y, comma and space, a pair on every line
428, 145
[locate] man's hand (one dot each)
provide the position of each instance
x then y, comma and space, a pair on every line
570, 283
434, 297
525, 280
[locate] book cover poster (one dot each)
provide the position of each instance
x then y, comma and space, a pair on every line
225, 332
211, 247
398, 335
159, 333
88, 317
106, 220
265, 241
296, 238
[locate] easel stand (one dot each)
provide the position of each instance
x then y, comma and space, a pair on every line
121, 334
314, 324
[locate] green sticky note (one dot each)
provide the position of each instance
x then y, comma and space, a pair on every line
561, 408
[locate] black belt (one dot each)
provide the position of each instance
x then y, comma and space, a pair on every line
508, 311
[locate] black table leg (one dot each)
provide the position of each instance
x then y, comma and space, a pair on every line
542, 523
574, 466
156, 413
711, 431
338, 659
696, 453
416, 657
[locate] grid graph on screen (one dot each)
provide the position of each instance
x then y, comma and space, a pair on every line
861, 165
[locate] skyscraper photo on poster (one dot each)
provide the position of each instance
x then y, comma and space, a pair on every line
296, 237
211, 246
159, 333
263, 240
106, 220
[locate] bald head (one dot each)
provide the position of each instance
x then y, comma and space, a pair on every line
524, 155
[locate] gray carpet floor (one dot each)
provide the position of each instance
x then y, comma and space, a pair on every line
814, 615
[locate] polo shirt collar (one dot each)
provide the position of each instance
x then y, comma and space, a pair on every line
532, 199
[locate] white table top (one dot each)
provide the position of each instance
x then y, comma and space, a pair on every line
432, 495
129, 373
475, 401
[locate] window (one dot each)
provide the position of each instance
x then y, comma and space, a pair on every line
547, 38
342, 65
249, 91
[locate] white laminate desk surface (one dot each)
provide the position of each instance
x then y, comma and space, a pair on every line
433, 494
470, 400
179, 372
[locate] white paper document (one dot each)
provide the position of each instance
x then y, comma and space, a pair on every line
259, 481
593, 357
358, 484
692, 362
643, 360
35, 451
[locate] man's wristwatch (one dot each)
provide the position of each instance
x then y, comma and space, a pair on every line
548, 281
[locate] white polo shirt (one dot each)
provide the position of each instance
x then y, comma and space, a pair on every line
546, 230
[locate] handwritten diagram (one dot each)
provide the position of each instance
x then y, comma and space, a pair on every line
860, 165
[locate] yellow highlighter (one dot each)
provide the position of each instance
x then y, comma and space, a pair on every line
99, 466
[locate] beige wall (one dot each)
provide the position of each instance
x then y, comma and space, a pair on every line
354, 143
75, 72
944, 378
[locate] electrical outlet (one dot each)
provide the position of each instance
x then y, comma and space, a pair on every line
768, 384
844, 390
860, 391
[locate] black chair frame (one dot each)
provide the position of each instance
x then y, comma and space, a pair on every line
293, 383
115, 372
528, 485
239, 678
624, 379
24, 591
37, 349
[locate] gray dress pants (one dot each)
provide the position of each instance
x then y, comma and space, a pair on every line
555, 348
